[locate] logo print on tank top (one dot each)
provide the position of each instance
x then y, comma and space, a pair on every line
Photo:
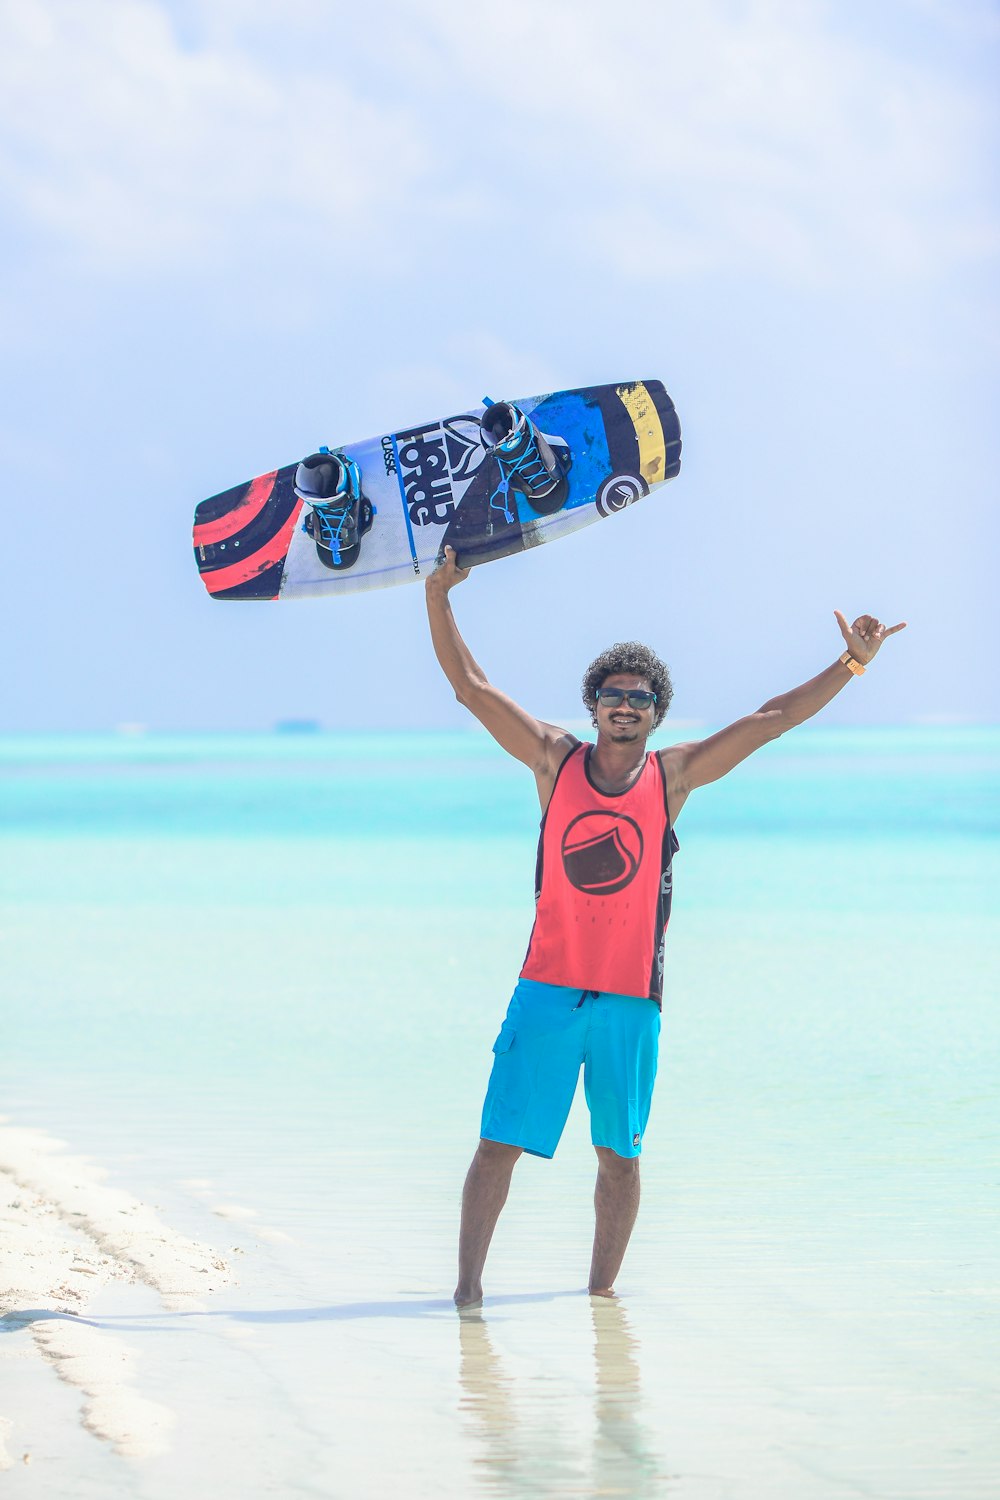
601, 852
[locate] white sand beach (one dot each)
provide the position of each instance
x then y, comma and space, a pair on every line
66, 1236
828, 1347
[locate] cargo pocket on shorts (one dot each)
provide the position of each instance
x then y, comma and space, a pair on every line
505, 1040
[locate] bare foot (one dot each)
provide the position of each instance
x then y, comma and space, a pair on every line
468, 1297
603, 1291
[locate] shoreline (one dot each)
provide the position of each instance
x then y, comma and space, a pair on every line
65, 1236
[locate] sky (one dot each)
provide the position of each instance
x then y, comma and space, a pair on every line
231, 231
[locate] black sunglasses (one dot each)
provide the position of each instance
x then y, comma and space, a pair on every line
637, 697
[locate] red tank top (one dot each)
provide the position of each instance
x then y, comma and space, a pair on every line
603, 883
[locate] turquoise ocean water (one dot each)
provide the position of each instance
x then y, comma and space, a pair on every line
266, 971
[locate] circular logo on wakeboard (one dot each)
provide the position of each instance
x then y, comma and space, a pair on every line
618, 491
601, 852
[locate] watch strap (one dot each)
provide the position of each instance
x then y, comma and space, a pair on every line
852, 665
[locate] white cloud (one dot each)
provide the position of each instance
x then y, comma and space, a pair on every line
766, 136
128, 148
756, 134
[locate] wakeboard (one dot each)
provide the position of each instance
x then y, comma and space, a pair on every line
491, 482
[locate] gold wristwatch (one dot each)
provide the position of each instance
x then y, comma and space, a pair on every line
852, 665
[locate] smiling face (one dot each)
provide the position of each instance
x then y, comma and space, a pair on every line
625, 725
628, 661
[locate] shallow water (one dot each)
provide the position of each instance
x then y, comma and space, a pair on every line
258, 977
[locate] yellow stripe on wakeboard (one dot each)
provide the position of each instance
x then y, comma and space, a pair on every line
645, 419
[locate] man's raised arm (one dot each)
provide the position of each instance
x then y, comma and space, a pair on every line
696, 764
541, 746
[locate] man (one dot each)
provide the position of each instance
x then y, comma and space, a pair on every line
590, 988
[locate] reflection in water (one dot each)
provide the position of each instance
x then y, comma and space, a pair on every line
623, 1461
488, 1398
526, 1430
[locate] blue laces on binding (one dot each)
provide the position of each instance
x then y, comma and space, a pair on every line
532, 470
329, 535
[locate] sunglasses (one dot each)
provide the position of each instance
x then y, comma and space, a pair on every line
636, 697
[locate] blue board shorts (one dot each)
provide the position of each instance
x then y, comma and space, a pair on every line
548, 1034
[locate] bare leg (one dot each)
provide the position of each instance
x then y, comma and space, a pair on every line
616, 1203
484, 1195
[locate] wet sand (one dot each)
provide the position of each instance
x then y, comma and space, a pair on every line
792, 1356
67, 1237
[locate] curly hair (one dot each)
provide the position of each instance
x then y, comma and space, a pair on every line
636, 660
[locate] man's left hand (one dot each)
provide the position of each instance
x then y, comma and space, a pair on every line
866, 635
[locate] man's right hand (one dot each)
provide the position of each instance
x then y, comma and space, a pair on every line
447, 573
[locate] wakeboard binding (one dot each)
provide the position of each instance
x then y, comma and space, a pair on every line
530, 461
338, 513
